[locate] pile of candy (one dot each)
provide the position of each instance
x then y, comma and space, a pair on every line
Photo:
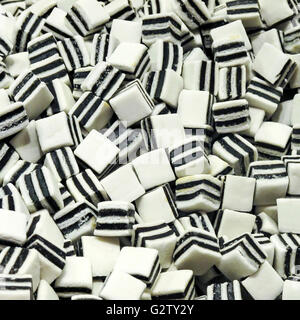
150, 149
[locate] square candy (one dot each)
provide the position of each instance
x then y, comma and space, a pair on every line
153, 169
194, 108
132, 103
122, 286
114, 184
97, 151
232, 224
237, 198
288, 215
157, 205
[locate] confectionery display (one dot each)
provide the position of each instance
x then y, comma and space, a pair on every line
150, 150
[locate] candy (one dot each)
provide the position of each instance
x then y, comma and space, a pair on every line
46, 292
122, 286
5, 77
5, 47
267, 246
236, 151
20, 168
102, 47
286, 248
150, 149
132, 103
194, 108
16, 63
21, 261
26, 143
229, 53
97, 161
278, 68
114, 219
91, 112
137, 60
87, 17
74, 53
197, 251
126, 139
162, 205
148, 172
103, 80
63, 99
16, 287
232, 224
66, 196
156, 235
189, 158
272, 283
240, 257
166, 55
265, 224
115, 190
86, 186
162, 131
120, 9
126, 30
33, 93
193, 13
8, 158
55, 23
29, 26
231, 116
174, 285
62, 131
95, 248
166, 27
13, 228
44, 236
198, 192
141, 263
232, 83
290, 289
50, 69
40, 190
247, 11
79, 75
201, 75
271, 181
76, 220
269, 144
69, 248
224, 291
244, 202
61, 163
276, 13
197, 220
262, 95
76, 278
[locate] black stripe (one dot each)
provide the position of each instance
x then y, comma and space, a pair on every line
233, 122
57, 164
191, 184
20, 172
7, 257
91, 184
45, 191
230, 110
69, 54
32, 192
19, 261
232, 56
